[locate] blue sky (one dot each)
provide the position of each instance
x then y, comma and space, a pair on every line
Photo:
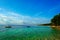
28, 11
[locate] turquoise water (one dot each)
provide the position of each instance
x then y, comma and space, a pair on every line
32, 33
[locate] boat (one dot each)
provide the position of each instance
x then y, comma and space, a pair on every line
7, 26
28, 26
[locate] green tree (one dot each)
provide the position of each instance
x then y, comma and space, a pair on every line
56, 20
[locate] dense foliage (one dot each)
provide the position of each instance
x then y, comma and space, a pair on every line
56, 20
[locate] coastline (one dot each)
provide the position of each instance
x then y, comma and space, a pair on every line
48, 24
55, 27
52, 26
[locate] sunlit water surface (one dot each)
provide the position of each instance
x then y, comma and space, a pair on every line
32, 33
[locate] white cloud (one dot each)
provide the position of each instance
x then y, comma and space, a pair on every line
7, 17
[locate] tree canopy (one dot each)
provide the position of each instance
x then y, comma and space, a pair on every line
56, 20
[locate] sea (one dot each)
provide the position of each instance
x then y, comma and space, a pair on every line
29, 33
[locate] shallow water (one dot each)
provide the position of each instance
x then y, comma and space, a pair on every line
32, 33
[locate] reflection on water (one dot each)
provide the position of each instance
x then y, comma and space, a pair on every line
32, 33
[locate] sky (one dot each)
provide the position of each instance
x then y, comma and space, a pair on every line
28, 11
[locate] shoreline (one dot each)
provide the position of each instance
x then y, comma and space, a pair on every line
55, 27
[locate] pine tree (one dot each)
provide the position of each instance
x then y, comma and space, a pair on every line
56, 20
